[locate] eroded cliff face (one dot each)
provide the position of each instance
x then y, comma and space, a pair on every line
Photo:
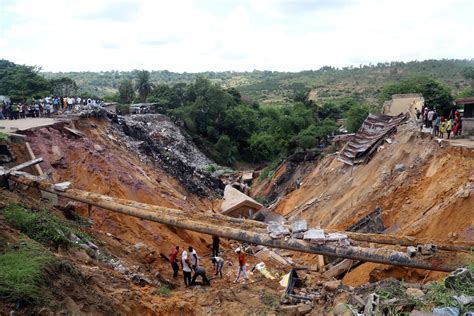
424, 188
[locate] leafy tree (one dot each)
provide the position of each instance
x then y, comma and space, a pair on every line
63, 86
143, 84
21, 82
227, 149
468, 73
263, 146
126, 91
356, 116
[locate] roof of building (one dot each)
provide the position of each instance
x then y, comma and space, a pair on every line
234, 199
467, 100
374, 129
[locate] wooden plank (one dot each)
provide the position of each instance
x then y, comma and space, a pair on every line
37, 167
74, 131
339, 269
25, 165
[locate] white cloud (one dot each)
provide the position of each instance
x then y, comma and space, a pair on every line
231, 35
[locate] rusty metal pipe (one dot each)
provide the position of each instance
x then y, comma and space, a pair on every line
385, 256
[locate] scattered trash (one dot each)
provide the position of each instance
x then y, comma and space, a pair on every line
399, 168
285, 279
263, 270
446, 311
372, 305
458, 276
464, 299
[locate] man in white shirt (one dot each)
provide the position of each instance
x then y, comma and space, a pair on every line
194, 258
430, 118
186, 263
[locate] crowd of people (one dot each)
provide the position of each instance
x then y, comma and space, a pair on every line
46, 107
440, 125
190, 262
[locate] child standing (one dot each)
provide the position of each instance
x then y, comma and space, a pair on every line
449, 127
442, 127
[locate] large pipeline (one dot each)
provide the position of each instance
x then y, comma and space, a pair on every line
223, 229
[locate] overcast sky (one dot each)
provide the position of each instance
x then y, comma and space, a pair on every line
195, 35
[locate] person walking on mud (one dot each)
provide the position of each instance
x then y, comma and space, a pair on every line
215, 246
218, 263
186, 263
174, 261
242, 262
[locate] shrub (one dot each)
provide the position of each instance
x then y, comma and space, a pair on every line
42, 226
163, 290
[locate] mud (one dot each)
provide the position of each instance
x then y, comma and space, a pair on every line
431, 198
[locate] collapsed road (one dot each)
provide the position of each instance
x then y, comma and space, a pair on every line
248, 232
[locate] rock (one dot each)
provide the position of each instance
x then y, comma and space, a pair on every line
420, 313
304, 309
357, 300
342, 310
277, 231
411, 251
458, 276
331, 286
138, 246
414, 292
372, 306
399, 168
446, 311
98, 147
315, 235
140, 280
299, 226
63, 186
290, 310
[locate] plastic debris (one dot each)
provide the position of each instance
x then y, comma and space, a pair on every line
446, 311
263, 270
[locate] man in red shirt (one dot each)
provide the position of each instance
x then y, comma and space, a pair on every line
242, 262
174, 262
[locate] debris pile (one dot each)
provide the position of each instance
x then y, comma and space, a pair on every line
155, 136
369, 137
299, 230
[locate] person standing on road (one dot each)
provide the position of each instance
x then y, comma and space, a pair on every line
242, 262
215, 246
186, 263
174, 261
430, 118
449, 127
437, 122
218, 263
